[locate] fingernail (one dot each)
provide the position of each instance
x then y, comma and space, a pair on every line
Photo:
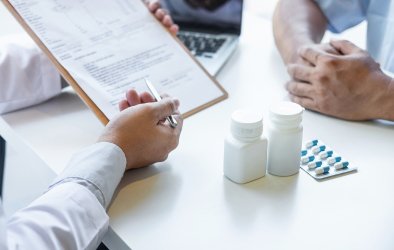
176, 102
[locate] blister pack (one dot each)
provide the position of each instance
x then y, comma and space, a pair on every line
320, 161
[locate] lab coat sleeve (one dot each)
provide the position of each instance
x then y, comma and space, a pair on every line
99, 168
71, 214
27, 76
68, 216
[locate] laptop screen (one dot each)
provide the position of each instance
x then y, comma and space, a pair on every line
213, 16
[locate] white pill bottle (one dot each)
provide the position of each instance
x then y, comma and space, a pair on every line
284, 132
245, 148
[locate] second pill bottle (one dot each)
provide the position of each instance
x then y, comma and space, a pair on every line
284, 132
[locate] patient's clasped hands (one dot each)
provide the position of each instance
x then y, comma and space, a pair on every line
341, 80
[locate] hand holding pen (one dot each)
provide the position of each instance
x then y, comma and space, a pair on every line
134, 99
141, 129
156, 95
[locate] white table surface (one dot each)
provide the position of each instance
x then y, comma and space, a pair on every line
187, 203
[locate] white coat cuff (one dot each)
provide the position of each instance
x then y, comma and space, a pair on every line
101, 165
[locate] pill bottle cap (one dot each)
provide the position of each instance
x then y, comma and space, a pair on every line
286, 112
246, 123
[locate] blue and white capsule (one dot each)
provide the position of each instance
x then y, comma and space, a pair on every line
340, 165
304, 152
317, 149
325, 154
312, 143
332, 160
314, 164
308, 158
322, 170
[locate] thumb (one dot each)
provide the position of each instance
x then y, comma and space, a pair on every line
165, 107
345, 47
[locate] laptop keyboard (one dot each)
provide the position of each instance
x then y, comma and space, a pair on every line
198, 44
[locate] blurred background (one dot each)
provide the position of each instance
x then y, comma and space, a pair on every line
262, 8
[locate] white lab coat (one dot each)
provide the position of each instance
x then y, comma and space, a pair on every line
71, 215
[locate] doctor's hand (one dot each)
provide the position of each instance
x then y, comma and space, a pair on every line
162, 15
142, 131
349, 86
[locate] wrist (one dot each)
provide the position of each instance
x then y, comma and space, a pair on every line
385, 104
106, 138
290, 54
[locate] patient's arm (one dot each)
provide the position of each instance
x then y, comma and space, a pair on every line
297, 23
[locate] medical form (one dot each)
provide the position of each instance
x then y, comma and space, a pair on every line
110, 46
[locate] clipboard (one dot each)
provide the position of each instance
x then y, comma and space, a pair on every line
81, 93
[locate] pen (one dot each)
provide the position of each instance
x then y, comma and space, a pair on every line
156, 95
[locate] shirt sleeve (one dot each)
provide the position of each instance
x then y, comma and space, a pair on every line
99, 168
27, 76
343, 14
67, 217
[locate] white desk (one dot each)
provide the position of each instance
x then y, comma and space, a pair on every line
187, 203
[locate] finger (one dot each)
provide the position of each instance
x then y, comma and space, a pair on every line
173, 133
146, 97
345, 47
132, 97
300, 89
161, 13
303, 101
153, 6
300, 72
174, 29
167, 21
310, 54
123, 104
165, 11
330, 50
165, 107
179, 120
177, 103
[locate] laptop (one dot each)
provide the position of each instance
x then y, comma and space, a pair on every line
210, 29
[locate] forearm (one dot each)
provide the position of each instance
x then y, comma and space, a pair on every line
385, 107
296, 23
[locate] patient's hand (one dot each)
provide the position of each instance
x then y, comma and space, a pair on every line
323, 47
350, 86
162, 15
